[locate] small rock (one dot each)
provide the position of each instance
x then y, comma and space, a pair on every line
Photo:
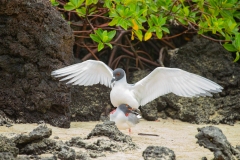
110, 130
212, 138
38, 133
95, 154
82, 156
77, 142
56, 137
7, 145
158, 153
9, 125
149, 111
67, 153
39, 147
6, 155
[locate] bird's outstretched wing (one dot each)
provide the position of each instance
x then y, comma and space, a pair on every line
164, 80
86, 73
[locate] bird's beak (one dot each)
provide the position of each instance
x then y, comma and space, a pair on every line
113, 80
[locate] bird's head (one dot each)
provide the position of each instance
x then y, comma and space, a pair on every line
118, 74
124, 108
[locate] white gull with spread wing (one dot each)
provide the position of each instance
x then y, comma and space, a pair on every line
160, 81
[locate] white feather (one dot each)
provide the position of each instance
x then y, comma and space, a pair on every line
166, 80
86, 73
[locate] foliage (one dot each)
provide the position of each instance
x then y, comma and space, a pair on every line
151, 20
103, 37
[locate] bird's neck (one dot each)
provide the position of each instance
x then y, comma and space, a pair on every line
121, 82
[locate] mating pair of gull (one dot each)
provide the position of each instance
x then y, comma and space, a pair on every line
126, 97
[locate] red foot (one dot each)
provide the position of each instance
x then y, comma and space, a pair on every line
126, 114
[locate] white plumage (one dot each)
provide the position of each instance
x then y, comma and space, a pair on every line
160, 81
124, 118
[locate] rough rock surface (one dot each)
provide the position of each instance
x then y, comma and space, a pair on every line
34, 41
110, 130
6, 155
66, 153
212, 138
104, 138
158, 153
88, 103
37, 134
7, 147
210, 60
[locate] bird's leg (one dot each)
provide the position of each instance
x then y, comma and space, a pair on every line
129, 131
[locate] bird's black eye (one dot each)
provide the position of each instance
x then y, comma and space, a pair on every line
118, 74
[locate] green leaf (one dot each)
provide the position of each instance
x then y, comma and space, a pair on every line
120, 10
99, 32
95, 38
81, 11
154, 19
77, 3
111, 34
165, 29
186, 11
161, 21
181, 20
159, 33
69, 6
229, 47
105, 36
236, 42
114, 21
150, 23
100, 46
236, 14
109, 44
123, 23
139, 34
89, 2
237, 57
54, 3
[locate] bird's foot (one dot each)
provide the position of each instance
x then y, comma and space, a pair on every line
129, 131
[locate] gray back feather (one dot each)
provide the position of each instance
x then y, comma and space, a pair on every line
133, 118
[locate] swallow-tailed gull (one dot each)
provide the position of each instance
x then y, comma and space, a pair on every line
124, 117
160, 81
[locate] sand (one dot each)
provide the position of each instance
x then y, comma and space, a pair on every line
174, 134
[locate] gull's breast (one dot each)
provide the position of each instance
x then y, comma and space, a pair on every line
122, 95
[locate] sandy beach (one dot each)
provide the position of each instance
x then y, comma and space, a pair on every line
174, 134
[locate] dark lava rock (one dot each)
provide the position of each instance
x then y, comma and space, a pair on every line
7, 156
77, 142
88, 103
66, 153
38, 133
4, 122
39, 147
149, 111
82, 156
104, 145
7, 147
95, 154
35, 40
210, 60
110, 130
36, 157
158, 153
212, 138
